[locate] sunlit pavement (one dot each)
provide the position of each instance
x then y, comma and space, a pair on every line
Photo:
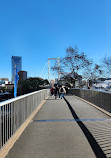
59, 130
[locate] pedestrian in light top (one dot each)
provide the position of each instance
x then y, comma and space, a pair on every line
62, 91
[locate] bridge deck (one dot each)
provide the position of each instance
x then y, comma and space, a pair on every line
67, 128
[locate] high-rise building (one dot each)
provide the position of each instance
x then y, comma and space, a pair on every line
16, 62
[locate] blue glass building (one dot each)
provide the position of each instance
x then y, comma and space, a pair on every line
16, 60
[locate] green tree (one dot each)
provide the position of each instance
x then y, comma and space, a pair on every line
30, 85
46, 82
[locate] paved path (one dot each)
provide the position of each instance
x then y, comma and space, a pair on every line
60, 130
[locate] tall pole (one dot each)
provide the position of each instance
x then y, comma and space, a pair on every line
58, 62
48, 69
16, 81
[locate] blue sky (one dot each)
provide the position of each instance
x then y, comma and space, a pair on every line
38, 29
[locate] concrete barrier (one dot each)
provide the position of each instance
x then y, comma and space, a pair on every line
99, 98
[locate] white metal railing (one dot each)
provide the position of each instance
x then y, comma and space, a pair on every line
99, 98
15, 111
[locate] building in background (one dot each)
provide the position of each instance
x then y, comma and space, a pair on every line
4, 81
22, 75
6, 89
102, 84
16, 60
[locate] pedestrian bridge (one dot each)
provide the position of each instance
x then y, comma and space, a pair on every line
37, 125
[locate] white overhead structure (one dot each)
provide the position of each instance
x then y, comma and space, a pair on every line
58, 63
43, 72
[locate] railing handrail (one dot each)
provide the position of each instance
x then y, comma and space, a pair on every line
99, 98
18, 98
15, 111
93, 90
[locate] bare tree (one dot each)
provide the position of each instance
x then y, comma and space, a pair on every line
106, 65
93, 73
73, 62
58, 68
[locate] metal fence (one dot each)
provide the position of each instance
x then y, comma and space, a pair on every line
99, 98
15, 111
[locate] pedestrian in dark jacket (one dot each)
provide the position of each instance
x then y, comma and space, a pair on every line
56, 91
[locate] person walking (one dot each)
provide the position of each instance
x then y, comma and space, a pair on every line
52, 90
56, 91
62, 91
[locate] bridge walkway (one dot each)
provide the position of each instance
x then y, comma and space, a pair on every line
69, 128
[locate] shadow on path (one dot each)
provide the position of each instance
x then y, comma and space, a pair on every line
95, 146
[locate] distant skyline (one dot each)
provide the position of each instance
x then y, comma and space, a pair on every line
40, 29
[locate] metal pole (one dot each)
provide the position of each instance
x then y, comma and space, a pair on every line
49, 69
58, 62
